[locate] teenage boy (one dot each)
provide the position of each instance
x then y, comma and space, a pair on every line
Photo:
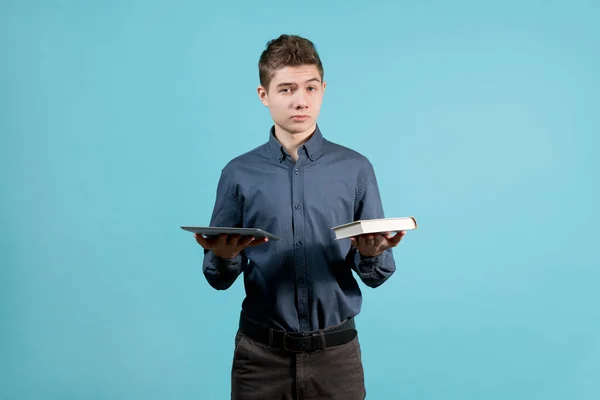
297, 337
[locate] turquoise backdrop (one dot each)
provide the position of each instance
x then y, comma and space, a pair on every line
481, 119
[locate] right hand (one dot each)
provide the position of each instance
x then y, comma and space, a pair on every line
228, 246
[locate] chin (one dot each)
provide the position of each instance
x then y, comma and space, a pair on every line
296, 128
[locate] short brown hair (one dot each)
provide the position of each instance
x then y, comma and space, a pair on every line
287, 50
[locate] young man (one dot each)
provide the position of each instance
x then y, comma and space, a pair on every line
297, 337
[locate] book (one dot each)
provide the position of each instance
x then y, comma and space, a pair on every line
374, 226
216, 231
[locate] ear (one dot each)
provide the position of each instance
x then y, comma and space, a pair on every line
263, 96
324, 86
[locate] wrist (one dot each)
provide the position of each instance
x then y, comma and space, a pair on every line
227, 257
367, 256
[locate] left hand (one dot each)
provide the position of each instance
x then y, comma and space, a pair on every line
372, 245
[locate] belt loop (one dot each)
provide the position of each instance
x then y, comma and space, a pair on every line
322, 336
271, 337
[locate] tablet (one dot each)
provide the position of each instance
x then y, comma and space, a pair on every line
216, 231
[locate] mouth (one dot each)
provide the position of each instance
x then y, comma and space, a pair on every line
300, 117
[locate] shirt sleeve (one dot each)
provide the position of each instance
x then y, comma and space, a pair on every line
222, 273
373, 271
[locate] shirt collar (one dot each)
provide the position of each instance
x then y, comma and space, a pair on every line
312, 148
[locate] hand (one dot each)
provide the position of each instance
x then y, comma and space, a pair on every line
372, 245
228, 246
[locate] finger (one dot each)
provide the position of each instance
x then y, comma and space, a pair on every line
363, 240
201, 240
370, 240
380, 240
257, 241
360, 241
232, 240
245, 241
221, 240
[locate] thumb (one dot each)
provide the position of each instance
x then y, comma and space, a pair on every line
397, 238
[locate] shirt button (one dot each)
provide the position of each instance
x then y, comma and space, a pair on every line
279, 157
301, 280
297, 206
298, 244
297, 171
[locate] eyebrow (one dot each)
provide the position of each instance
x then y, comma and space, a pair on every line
292, 83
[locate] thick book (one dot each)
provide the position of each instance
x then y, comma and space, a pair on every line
374, 226
216, 231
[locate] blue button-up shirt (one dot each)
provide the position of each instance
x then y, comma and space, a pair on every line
304, 281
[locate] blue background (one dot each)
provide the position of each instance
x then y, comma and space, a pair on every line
481, 121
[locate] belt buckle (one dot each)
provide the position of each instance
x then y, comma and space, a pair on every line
303, 336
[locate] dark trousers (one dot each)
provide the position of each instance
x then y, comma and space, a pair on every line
260, 372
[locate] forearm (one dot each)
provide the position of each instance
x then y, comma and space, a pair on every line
221, 273
373, 271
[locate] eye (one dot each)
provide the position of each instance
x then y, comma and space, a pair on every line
312, 88
284, 90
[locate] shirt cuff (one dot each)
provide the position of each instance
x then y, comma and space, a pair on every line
224, 264
367, 264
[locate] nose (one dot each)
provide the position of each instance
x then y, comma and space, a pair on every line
301, 101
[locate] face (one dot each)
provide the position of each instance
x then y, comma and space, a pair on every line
294, 98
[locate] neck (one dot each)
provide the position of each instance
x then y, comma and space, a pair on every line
291, 142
